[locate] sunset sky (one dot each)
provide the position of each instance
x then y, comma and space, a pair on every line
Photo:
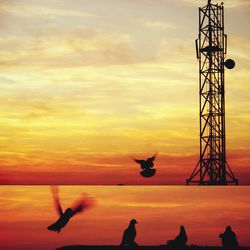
205, 212
88, 85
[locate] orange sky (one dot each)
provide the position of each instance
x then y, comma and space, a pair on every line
26, 211
171, 170
87, 86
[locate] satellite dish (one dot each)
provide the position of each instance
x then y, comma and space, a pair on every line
229, 63
148, 172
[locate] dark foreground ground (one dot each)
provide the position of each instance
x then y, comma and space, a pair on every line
79, 247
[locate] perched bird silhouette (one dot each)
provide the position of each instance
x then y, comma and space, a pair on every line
180, 240
147, 166
65, 216
229, 239
129, 235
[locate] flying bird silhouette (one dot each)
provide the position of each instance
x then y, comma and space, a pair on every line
147, 166
128, 238
79, 206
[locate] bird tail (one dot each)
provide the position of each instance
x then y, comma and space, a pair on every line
122, 242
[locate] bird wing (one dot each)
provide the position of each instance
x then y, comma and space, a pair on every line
82, 204
151, 158
54, 191
124, 239
129, 234
54, 227
139, 161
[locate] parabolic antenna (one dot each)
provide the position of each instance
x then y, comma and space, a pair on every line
229, 63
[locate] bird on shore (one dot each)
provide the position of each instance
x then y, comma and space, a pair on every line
128, 238
180, 240
80, 206
147, 166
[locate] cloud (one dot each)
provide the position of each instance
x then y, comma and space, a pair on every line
227, 3
238, 47
200, 3
30, 10
83, 47
156, 25
155, 205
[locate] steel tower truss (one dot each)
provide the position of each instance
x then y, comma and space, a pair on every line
211, 48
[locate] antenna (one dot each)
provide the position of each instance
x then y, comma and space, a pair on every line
211, 48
